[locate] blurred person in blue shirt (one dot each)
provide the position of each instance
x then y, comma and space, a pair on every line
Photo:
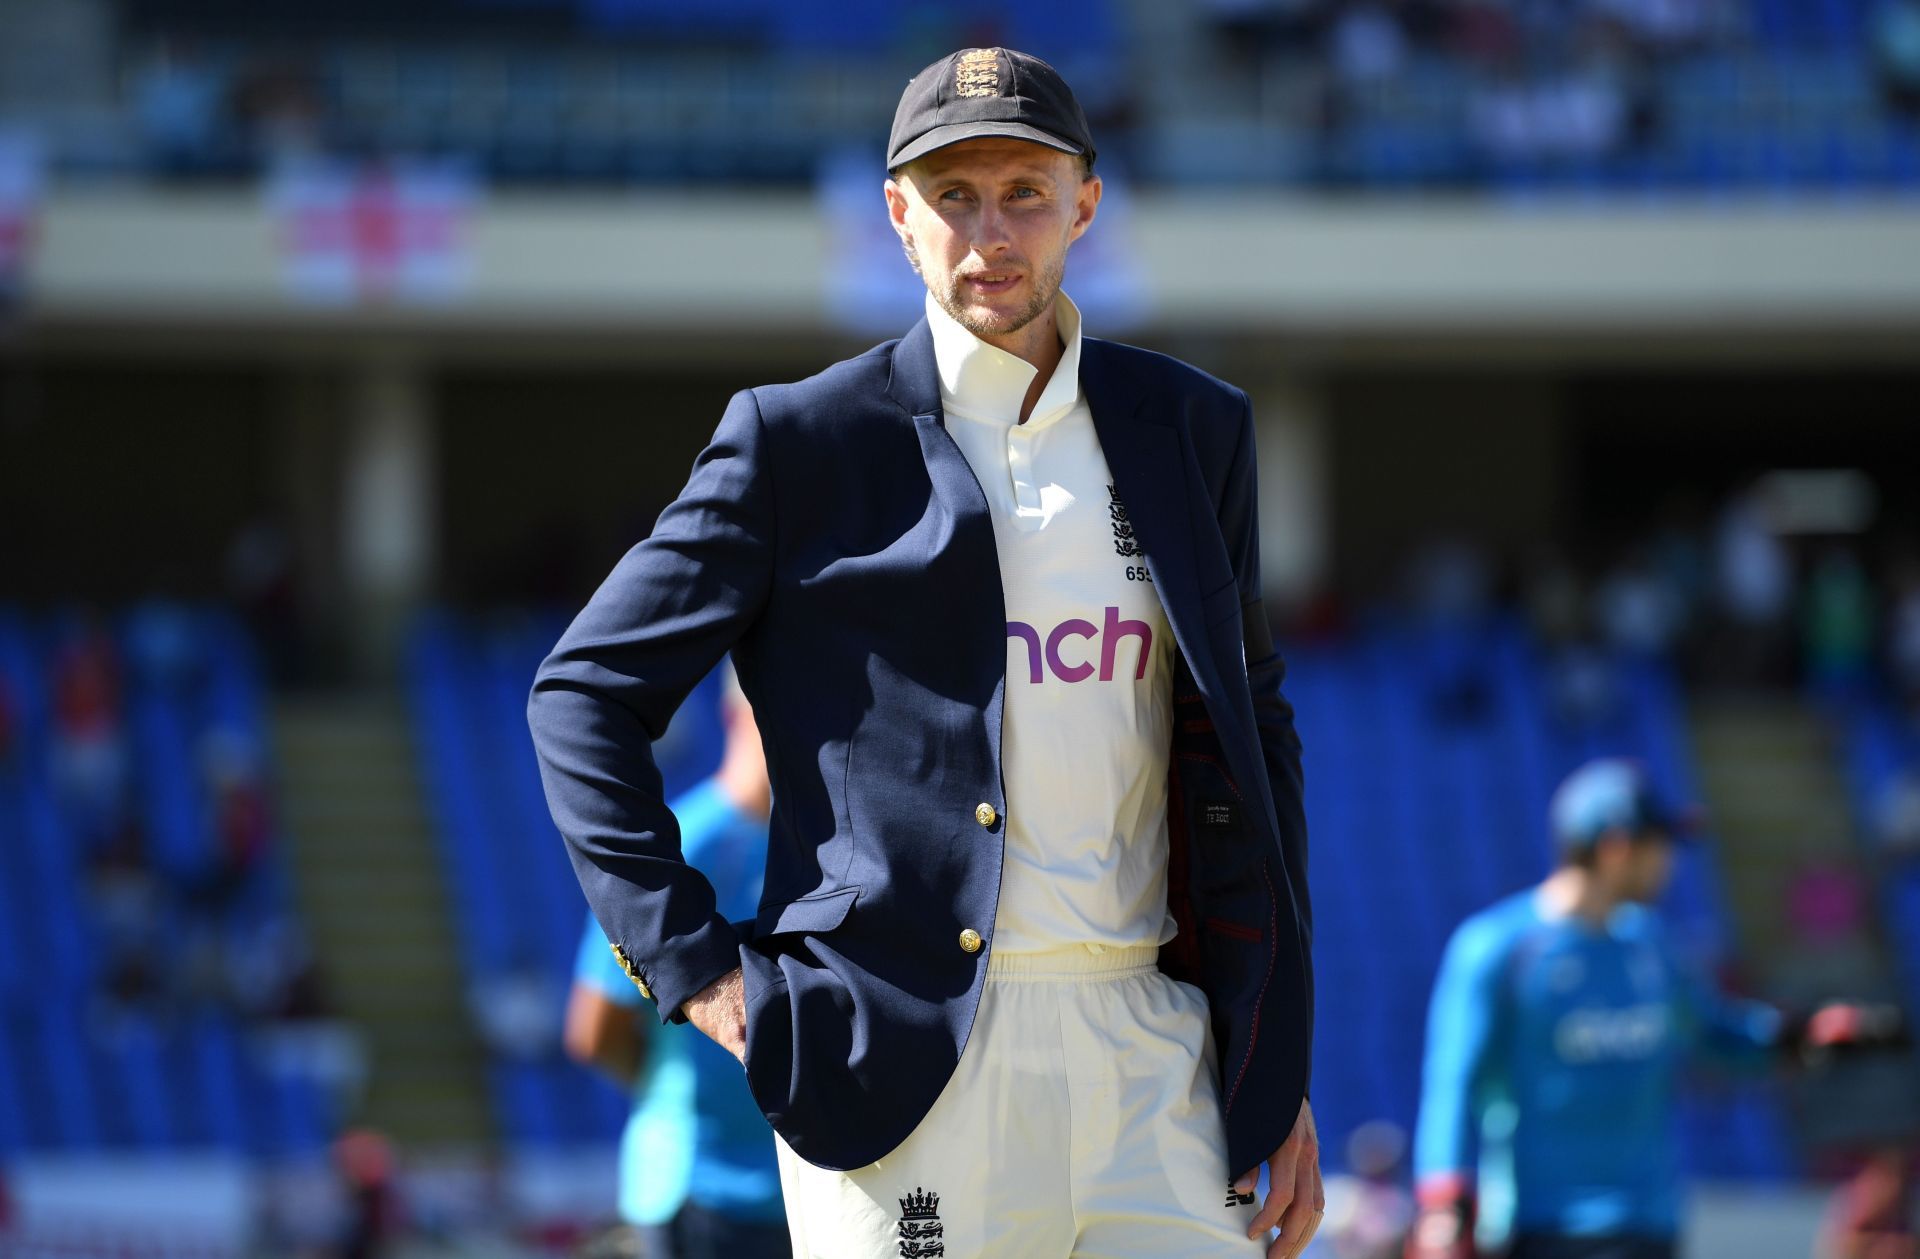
698, 1178
1559, 1020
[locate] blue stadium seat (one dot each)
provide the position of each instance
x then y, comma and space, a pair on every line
168, 776
80, 1075
129, 1070
457, 790
13, 1112
68, 1075
504, 861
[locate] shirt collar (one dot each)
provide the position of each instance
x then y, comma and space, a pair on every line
984, 380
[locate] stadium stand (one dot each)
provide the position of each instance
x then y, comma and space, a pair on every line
1881, 747
504, 862
1613, 97
92, 1058
1420, 817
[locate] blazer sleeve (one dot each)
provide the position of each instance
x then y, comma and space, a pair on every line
661, 620
1273, 714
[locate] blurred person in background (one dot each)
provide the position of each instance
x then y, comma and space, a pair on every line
363, 1161
1896, 54
1368, 45
1872, 1215
236, 791
294, 1029
177, 105
1754, 582
698, 1176
89, 747
163, 638
1863, 1101
1838, 625
262, 582
1857, 1113
1450, 588
1677, 552
215, 890
1250, 32
1894, 825
1369, 1209
1560, 1017
127, 906
1639, 613
1665, 28
1903, 630
279, 105
1581, 688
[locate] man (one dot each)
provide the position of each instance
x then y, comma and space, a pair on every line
697, 1173
1559, 1020
993, 589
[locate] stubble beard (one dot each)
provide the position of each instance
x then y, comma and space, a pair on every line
1046, 286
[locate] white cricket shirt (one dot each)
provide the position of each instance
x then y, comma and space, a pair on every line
1088, 713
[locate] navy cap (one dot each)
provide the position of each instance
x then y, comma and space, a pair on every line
1610, 794
986, 92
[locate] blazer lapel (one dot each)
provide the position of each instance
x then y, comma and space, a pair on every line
914, 382
915, 386
1149, 470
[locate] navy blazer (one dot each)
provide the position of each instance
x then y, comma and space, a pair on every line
833, 536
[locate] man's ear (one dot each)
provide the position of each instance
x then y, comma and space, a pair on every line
1086, 204
896, 195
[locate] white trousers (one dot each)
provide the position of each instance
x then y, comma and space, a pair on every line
1083, 1121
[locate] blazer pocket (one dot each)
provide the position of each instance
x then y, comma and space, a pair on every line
1234, 930
818, 913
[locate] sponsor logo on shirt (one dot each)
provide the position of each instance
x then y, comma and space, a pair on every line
1627, 1034
1073, 661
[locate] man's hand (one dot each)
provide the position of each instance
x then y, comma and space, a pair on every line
600, 1032
720, 1010
1295, 1199
1842, 1027
1444, 1227
1846, 1023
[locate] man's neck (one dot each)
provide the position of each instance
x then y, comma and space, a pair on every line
1571, 892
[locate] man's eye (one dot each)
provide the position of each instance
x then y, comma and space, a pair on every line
1026, 192
953, 194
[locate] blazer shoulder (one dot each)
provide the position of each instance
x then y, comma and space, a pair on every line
1165, 373
828, 391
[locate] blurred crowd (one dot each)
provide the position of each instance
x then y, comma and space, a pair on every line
1743, 598
1554, 82
1360, 93
195, 921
